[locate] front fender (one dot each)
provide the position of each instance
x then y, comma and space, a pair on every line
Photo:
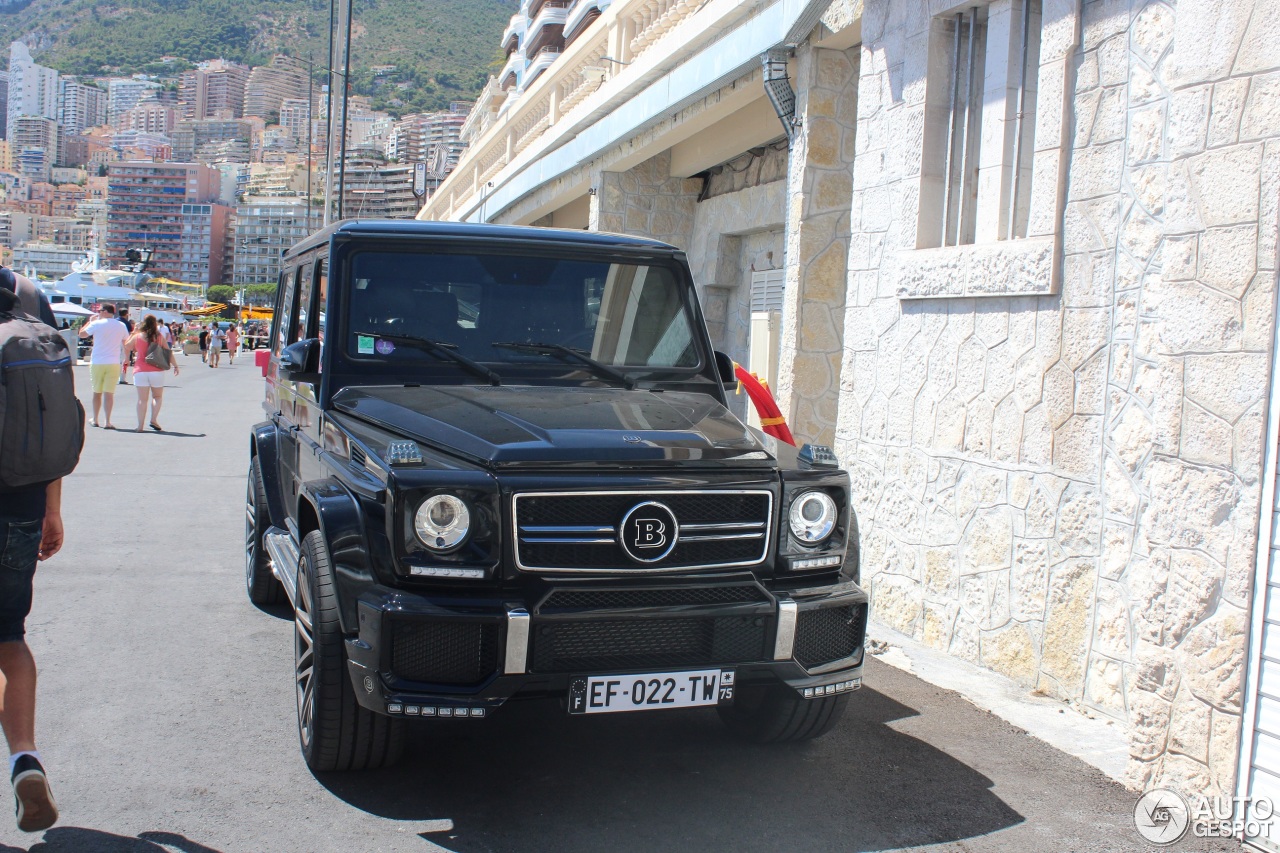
336, 512
264, 445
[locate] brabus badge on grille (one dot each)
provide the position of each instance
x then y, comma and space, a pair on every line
649, 532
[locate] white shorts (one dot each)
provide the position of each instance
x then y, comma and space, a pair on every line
148, 379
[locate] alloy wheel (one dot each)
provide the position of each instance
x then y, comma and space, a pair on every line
304, 659
250, 533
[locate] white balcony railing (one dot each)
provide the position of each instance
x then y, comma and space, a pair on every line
558, 86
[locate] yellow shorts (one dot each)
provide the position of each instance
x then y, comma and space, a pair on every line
104, 377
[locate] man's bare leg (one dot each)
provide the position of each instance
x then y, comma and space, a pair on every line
19, 713
108, 400
97, 404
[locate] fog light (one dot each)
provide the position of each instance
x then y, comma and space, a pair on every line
412, 710
446, 572
446, 712
428, 712
817, 562
394, 708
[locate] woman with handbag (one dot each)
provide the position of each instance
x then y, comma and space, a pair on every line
154, 357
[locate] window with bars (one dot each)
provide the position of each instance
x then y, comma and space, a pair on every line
980, 123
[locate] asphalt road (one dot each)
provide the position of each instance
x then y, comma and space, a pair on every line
166, 715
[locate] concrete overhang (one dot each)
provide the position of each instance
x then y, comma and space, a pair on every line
733, 54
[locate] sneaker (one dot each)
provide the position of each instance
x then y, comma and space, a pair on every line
36, 809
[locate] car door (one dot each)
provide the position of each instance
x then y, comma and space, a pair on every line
308, 413
286, 389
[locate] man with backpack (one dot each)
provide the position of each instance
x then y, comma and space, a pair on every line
41, 435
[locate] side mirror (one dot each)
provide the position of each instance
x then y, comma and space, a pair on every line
724, 367
300, 362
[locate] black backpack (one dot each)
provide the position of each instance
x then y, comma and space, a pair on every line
41, 421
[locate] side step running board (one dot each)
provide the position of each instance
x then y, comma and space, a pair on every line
284, 559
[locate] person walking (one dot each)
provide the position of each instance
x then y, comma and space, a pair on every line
31, 532
204, 344
128, 358
233, 343
147, 378
108, 335
215, 345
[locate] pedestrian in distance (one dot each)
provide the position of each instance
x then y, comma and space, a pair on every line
149, 349
108, 335
128, 358
45, 441
233, 343
204, 344
215, 345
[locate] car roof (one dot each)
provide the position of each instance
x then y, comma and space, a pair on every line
569, 238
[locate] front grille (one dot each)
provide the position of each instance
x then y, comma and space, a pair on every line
828, 634
580, 531
444, 652
648, 643
614, 599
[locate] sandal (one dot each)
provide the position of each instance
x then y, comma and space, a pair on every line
155, 426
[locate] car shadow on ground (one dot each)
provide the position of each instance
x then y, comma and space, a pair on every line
533, 778
76, 839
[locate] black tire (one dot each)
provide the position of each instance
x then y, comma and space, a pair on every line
775, 714
263, 588
334, 731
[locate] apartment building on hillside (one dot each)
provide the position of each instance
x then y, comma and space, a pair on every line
145, 204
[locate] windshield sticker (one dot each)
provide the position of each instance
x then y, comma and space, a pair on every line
385, 347
364, 345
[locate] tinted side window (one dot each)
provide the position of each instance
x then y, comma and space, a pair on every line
304, 326
284, 310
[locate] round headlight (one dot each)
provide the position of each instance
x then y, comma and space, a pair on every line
813, 517
442, 522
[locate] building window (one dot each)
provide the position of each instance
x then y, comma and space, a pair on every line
980, 124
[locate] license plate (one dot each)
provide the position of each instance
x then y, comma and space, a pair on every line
606, 694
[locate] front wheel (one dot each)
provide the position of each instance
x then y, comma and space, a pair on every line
334, 731
775, 714
262, 586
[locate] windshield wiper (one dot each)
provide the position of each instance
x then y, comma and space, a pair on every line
445, 350
570, 354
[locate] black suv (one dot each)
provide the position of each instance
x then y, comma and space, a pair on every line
498, 464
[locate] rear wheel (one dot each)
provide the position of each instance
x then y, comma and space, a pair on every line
775, 714
334, 731
263, 588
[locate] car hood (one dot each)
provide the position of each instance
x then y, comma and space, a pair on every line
520, 425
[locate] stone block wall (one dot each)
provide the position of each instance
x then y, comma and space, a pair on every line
1061, 482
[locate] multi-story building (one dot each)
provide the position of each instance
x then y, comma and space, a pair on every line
269, 86
150, 116
214, 89
295, 113
80, 105
372, 189
202, 243
264, 228
190, 138
15, 228
34, 140
432, 138
151, 146
33, 89
47, 259
276, 179
145, 209
123, 94
4, 103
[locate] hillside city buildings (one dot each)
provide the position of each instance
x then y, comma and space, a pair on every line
207, 166
1015, 261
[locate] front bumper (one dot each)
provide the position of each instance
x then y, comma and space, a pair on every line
419, 655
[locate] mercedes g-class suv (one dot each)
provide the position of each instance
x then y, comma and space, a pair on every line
498, 464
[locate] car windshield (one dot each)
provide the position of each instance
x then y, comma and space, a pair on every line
485, 306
